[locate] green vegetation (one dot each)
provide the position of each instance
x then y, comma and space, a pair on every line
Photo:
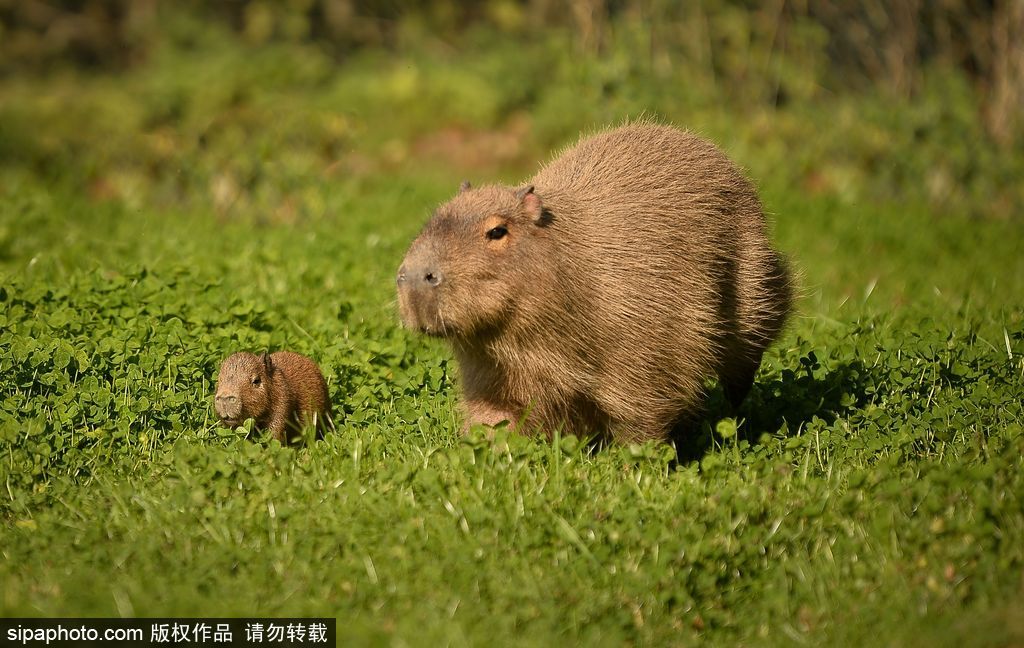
219, 196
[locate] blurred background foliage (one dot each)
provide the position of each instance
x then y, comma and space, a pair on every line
150, 101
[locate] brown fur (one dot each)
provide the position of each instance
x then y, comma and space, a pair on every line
282, 392
636, 267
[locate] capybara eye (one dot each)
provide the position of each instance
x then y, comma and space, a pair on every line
496, 233
256, 381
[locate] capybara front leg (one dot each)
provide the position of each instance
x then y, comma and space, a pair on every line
487, 413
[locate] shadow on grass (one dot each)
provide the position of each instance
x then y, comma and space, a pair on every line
790, 399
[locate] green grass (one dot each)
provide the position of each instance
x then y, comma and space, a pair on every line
874, 493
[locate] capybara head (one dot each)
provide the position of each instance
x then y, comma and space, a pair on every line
464, 272
244, 388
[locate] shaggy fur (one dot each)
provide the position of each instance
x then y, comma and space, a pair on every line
282, 392
600, 295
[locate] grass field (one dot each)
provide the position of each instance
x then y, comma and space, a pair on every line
870, 492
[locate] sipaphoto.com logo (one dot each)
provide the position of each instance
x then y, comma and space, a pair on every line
146, 632
61, 633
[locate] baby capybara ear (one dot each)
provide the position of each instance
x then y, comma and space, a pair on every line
531, 203
268, 364
465, 186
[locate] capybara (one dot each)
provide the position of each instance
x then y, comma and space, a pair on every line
601, 293
281, 392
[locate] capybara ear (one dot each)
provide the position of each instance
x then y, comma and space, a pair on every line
465, 186
268, 364
531, 203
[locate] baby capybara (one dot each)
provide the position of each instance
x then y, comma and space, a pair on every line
282, 392
600, 294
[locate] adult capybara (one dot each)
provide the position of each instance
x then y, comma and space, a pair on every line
282, 392
600, 294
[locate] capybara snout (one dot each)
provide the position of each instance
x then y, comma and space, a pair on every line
420, 282
229, 408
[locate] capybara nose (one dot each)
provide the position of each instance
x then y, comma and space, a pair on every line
418, 275
433, 277
226, 406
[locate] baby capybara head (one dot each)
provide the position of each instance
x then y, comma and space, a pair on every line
464, 272
243, 388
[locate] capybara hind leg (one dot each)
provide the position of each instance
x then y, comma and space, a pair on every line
738, 378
